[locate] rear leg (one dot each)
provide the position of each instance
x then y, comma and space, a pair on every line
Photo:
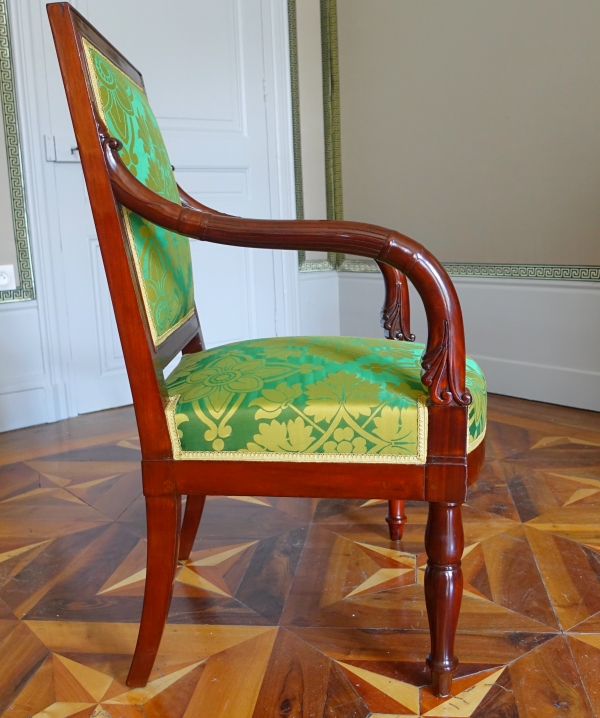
191, 520
396, 519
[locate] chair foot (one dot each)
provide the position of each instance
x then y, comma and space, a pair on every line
163, 515
396, 519
444, 543
441, 683
191, 520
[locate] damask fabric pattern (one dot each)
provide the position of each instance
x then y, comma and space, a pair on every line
308, 399
163, 259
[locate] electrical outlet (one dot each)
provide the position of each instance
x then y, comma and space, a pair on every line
7, 277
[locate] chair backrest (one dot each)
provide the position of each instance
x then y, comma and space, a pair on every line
149, 269
162, 259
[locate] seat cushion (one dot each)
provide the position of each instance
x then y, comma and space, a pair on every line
340, 399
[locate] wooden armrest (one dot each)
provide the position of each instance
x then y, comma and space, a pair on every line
188, 201
443, 361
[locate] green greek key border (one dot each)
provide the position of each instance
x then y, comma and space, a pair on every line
561, 272
568, 272
331, 107
295, 86
26, 286
333, 164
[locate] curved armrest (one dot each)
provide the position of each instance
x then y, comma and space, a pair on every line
188, 201
395, 315
443, 361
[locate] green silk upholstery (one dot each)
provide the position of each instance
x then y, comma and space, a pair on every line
308, 399
162, 258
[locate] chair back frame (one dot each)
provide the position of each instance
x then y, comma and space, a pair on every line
144, 360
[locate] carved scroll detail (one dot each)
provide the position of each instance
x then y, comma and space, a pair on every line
439, 374
395, 314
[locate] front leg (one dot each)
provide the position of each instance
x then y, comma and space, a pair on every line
444, 543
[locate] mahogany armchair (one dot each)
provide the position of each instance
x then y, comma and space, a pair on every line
302, 416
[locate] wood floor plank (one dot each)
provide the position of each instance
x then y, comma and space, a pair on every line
21, 655
297, 680
231, 681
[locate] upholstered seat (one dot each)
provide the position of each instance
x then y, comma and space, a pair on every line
308, 399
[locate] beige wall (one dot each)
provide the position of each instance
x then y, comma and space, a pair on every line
474, 125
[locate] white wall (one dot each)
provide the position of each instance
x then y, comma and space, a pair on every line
319, 300
533, 339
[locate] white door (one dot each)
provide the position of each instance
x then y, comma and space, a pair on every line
204, 67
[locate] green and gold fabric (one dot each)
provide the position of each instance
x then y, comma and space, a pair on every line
162, 258
308, 399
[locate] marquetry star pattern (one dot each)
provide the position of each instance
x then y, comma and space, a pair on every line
206, 570
298, 604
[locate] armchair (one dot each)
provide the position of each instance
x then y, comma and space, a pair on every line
305, 416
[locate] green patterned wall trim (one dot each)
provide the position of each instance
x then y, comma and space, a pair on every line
356, 265
331, 106
572, 273
317, 265
295, 88
162, 258
25, 283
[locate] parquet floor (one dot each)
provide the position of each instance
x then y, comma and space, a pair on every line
294, 607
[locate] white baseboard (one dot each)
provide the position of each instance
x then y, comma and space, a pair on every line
23, 408
533, 339
25, 393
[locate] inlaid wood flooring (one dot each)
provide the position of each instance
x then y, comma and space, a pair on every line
290, 608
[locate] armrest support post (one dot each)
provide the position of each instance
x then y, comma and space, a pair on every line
395, 314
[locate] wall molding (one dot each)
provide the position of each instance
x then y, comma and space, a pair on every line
10, 115
331, 108
548, 272
295, 91
560, 272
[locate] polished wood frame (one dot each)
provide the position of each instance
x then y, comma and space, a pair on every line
442, 481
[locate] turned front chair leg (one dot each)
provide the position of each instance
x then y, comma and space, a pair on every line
191, 520
163, 514
396, 519
444, 543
